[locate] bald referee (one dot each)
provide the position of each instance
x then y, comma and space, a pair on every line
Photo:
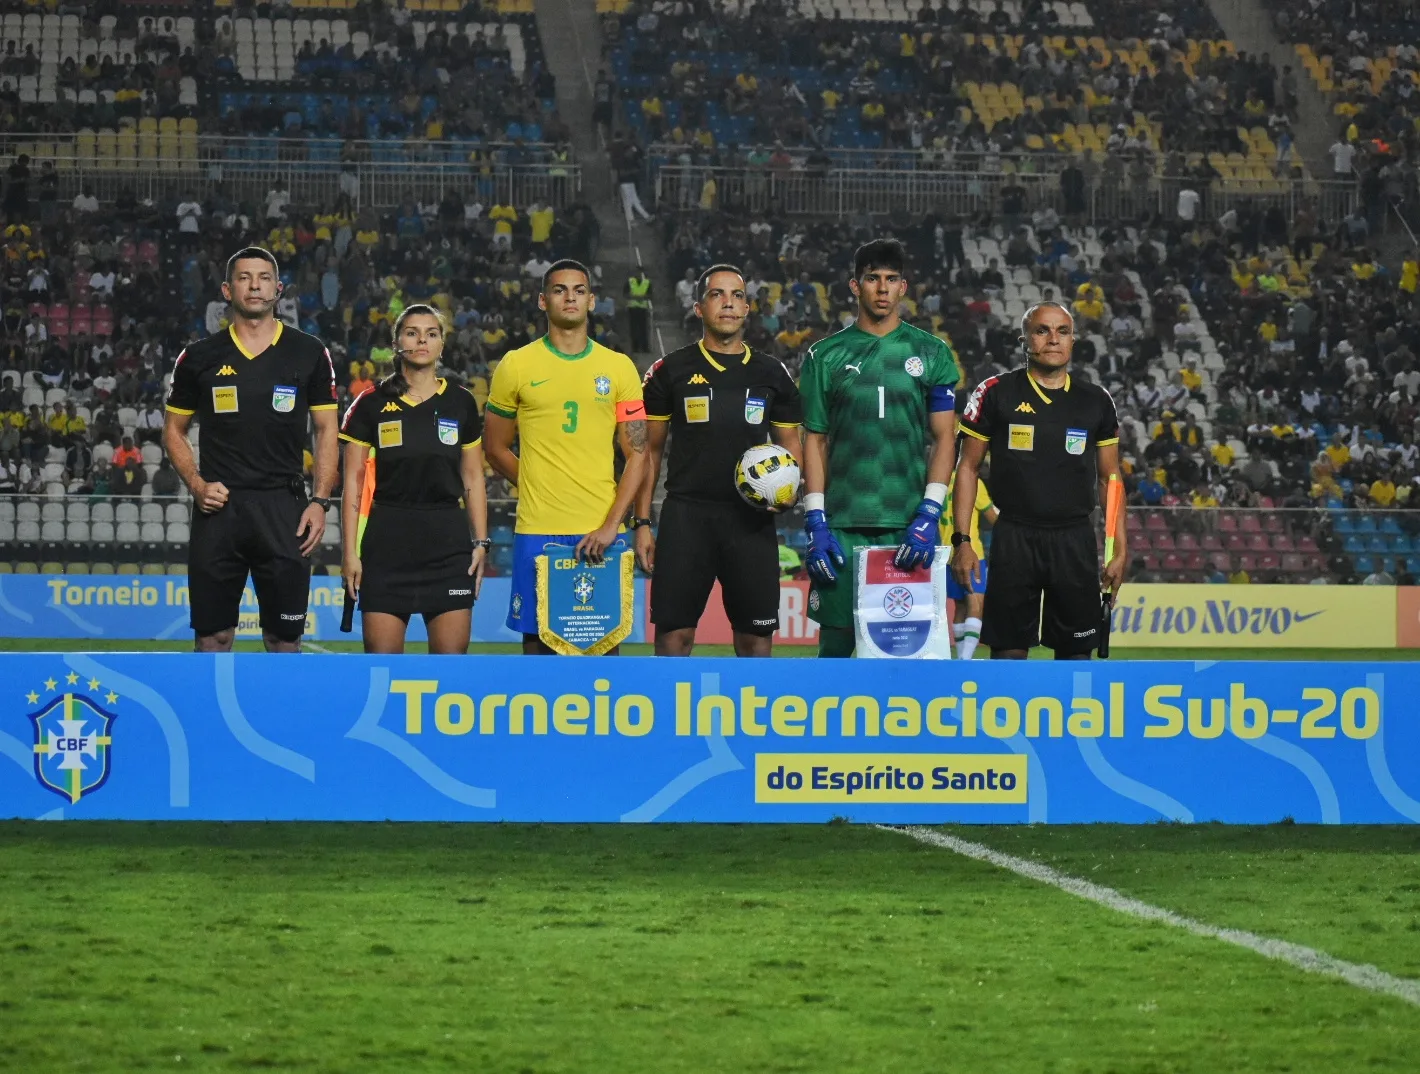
713, 400
1054, 442
253, 388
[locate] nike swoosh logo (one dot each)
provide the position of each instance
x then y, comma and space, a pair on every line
1298, 617
539, 383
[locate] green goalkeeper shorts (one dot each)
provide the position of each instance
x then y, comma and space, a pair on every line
832, 605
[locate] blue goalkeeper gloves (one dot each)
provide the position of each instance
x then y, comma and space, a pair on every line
825, 553
919, 542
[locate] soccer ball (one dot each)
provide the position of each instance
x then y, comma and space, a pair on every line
767, 477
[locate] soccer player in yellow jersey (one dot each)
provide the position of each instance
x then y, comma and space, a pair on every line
566, 398
969, 604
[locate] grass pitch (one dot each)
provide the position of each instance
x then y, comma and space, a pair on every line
699, 949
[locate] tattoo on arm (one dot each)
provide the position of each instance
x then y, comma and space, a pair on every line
636, 434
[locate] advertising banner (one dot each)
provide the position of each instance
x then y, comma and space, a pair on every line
255, 737
1255, 617
155, 606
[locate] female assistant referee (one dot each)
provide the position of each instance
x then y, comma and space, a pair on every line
415, 554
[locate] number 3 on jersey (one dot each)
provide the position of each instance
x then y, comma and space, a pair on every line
570, 425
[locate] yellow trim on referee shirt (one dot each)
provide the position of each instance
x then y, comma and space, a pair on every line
323, 406
718, 367
973, 432
473, 444
1106, 443
352, 440
1037, 387
658, 417
785, 424
180, 410
232, 331
407, 400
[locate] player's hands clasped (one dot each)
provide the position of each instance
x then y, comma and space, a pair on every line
311, 527
919, 542
825, 553
352, 571
594, 545
475, 568
966, 566
646, 549
210, 496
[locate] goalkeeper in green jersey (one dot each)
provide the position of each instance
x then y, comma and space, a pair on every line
877, 396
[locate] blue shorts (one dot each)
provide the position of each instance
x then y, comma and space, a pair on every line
955, 590
522, 605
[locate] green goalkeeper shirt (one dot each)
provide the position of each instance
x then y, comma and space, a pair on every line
869, 395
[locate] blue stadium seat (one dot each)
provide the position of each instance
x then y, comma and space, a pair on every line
1364, 564
1366, 523
1353, 545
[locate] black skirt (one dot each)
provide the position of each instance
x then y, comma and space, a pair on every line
415, 561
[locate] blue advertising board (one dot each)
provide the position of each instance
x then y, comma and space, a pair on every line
256, 737
156, 606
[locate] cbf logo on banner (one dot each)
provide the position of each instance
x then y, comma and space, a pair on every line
72, 739
902, 614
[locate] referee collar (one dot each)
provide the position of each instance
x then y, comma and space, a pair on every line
232, 331
1040, 391
408, 400
711, 358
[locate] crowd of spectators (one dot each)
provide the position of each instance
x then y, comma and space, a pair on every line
737, 88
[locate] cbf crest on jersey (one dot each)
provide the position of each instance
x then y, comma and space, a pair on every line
73, 739
602, 385
283, 398
448, 431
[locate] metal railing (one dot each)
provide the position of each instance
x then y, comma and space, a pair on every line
841, 192
313, 149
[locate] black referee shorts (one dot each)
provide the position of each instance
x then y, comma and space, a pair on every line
699, 542
415, 561
254, 533
1062, 564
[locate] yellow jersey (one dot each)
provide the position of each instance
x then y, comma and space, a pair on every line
983, 504
567, 408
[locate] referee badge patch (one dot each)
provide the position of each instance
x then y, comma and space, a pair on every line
391, 434
448, 432
754, 410
1075, 440
224, 399
283, 398
1021, 437
697, 408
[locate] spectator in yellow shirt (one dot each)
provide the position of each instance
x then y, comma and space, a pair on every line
1410, 273
1383, 490
540, 220
1337, 451
1222, 454
874, 113
830, 98
503, 217
1203, 497
1189, 375
58, 422
747, 84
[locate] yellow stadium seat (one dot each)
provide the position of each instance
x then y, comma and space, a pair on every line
148, 124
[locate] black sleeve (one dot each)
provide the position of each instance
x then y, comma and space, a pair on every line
978, 419
656, 392
788, 407
359, 423
1107, 429
184, 396
320, 388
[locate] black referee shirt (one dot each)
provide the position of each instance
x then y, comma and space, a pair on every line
418, 447
253, 407
718, 405
1042, 444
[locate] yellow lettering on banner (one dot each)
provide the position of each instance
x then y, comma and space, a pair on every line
992, 721
848, 719
935, 708
1247, 715
1116, 710
645, 713
445, 720
1086, 718
568, 713
705, 710
520, 706
787, 716
968, 710
750, 705
682, 708
1172, 715
488, 713
1054, 714
601, 708
822, 707
414, 691
1217, 717
903, 718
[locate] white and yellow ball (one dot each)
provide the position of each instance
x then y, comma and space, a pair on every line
767, 477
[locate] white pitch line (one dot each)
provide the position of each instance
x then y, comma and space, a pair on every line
313, 647
1370, 978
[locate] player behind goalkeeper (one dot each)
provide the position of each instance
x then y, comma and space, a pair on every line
880, 430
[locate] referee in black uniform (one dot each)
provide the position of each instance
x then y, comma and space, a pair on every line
252, 387
1054, 443
714, 399
418, 554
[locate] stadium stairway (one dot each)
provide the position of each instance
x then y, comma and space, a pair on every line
1249, 28
572, 45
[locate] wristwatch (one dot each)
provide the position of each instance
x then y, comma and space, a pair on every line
324, 502
484, 543
637, 523
960, 538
